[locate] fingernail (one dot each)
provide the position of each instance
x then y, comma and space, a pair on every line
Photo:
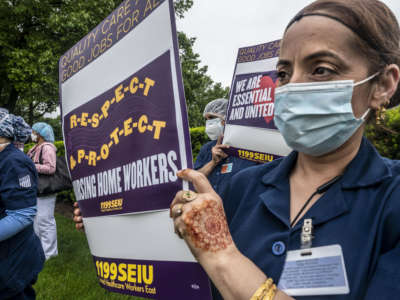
181, 172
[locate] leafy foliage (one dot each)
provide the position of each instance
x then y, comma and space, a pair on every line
182, 6
386, 138
198, 138
34, 34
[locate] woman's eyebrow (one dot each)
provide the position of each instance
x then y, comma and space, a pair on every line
313, 56
323, 53
283, 62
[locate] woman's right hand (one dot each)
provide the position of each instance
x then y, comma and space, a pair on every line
217, 151
78, 217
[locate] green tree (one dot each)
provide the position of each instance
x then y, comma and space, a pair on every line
33, 35
182, 6
386, 137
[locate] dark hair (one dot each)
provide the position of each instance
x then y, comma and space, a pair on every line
375, 25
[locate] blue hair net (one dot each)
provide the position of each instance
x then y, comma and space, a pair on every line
13, 127
45, 131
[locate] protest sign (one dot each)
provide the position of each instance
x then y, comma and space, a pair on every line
249, 127
126, 135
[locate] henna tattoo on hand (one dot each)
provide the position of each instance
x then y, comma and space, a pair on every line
207, 227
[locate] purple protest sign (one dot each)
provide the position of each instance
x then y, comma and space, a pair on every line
257, 156
250, 128
144, 278
252, 100
126, 135
122, 146
258, 52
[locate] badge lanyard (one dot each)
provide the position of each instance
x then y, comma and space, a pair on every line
320, 190
314, 271
307, 229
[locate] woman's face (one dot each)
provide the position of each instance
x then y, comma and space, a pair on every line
320, 49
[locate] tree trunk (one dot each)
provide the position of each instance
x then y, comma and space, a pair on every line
12, 100
30, 114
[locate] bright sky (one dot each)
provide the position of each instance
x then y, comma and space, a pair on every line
223, 26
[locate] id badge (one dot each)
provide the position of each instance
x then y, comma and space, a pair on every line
314, 271
226, 168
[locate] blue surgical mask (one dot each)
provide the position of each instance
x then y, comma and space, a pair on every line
317, 117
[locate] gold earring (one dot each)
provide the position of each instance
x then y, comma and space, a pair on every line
381, 113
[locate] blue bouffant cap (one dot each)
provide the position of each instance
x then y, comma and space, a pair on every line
45, 131
13, 127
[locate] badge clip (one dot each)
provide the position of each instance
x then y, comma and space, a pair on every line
306, 237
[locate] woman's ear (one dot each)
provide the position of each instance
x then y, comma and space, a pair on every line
385, 87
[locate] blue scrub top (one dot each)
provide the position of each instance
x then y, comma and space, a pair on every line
223, 172
360, 212
21, 256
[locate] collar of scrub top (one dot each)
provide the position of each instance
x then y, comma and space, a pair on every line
366, 169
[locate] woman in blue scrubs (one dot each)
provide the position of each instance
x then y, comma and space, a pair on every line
212, 161
21, 254
323, 222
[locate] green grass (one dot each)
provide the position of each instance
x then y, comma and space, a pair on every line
71, 275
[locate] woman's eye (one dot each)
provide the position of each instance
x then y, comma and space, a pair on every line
323, 71
282, 75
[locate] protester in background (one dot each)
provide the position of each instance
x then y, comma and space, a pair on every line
21, 255
212, 161
17, 144
43, 155
338, 67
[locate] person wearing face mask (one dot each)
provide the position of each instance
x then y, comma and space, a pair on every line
323, 222
212, 161
21, 254
44, 156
